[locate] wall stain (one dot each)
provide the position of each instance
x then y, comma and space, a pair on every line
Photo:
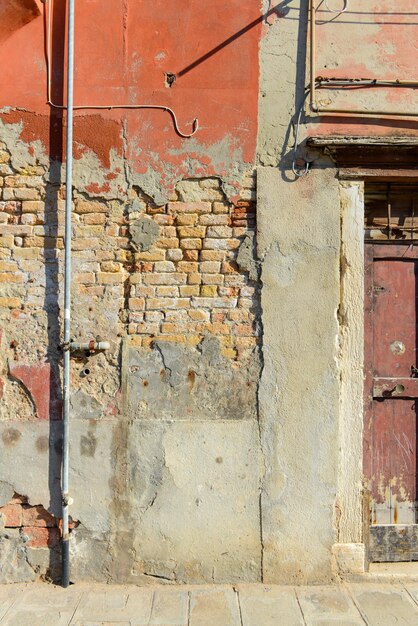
42, 444
11, 436
88, 445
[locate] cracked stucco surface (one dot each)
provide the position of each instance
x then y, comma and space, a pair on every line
298, 242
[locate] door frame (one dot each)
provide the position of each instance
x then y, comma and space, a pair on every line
353, 500
350, 549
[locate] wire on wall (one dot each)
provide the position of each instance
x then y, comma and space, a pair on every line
160, 107
297, 171
338, 11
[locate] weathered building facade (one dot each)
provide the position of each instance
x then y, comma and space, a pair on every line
224, 435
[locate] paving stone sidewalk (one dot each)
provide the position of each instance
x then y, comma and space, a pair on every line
356, 604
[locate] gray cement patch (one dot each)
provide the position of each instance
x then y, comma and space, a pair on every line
195, 498
144, 233
174, 381
85, 406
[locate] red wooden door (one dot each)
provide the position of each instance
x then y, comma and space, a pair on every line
391, 389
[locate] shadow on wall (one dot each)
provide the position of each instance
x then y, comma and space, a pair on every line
52, 261
14, 15
279, 10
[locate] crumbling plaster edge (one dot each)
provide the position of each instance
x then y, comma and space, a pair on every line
349, 504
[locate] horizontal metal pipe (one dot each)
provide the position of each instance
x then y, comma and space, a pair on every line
364, 112
323, 81
93, 346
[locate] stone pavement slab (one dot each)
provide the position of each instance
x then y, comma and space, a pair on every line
8, 595
118, 604
354, 604
210, 607
321, 606
385, 604
43, 605
263, 605
412, 590
169, 608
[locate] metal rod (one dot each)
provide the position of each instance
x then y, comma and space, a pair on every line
365, 112
315, 83
322, 82
312, 55
67, 299
389, 218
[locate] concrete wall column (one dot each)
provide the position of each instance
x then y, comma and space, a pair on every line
299, 394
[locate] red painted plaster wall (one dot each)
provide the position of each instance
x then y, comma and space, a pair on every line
16, 13
123, 50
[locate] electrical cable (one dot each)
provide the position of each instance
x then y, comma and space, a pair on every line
343, 10
160, 107
296, 171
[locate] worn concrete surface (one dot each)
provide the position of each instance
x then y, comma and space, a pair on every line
355, 604
207, 472
298, 246
351, 321
184, 471
174, 381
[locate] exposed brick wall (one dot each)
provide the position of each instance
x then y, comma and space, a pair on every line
186, 285
189, 284
38, 528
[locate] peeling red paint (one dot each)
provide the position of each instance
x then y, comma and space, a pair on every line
96, 189
382, 45
91, 132
122, 56
39, 381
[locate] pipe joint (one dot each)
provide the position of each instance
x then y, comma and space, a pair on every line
66, 500
89, 346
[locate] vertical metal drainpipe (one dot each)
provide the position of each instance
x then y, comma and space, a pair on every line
67, 300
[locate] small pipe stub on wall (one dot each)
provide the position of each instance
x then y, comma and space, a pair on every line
89, 346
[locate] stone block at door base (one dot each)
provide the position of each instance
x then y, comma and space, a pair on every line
349, 558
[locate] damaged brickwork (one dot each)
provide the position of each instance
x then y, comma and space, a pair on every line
29, 539
174, 288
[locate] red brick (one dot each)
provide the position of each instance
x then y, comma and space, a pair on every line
37, 516
12, 515
42, 537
